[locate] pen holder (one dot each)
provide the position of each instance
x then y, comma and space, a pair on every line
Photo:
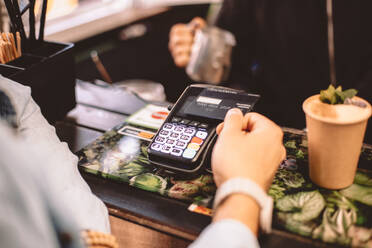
50, 72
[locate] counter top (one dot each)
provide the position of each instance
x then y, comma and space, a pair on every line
151, 210
155, 211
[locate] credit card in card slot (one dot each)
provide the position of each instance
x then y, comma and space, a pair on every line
215, 106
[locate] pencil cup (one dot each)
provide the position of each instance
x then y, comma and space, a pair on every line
49, 70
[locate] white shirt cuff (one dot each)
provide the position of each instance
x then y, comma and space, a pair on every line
226, 233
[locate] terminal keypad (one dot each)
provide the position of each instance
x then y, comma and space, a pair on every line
179, 139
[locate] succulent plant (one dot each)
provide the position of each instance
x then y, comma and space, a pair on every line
334, 95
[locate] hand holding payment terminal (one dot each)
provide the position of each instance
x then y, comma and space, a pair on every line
183, 141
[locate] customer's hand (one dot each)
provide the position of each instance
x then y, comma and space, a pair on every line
181, 38
249, 146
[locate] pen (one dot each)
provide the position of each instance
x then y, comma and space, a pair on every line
100, 67
19, 48
18, 19
42, 20
12, 16
32, 20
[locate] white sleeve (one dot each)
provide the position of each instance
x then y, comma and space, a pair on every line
61, 166
31, 213
226, 233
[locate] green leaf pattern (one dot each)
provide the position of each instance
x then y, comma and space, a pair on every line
304, 206
343, 217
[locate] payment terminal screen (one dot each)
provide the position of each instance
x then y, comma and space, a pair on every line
215, 104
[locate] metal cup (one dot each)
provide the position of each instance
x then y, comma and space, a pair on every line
210, 59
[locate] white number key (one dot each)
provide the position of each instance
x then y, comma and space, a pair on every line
201, 134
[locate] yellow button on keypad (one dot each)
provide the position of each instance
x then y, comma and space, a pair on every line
193, 146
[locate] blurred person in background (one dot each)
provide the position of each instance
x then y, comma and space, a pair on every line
289, 50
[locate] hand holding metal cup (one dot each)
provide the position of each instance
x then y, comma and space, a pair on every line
181, 39
204, 50
210, 59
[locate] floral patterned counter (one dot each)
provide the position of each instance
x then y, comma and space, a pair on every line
343, 217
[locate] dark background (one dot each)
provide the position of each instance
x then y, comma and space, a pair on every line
145, 57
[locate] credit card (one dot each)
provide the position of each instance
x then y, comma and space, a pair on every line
214, 105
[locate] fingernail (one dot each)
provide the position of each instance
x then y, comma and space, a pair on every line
233, 111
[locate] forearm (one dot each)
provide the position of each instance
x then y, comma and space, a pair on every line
239, 207
235, 224
59, 166
226, 233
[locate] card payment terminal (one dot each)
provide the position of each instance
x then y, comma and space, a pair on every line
183, 141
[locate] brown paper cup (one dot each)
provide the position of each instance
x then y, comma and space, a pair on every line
335, 137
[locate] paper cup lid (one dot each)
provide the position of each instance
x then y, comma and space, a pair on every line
336, 114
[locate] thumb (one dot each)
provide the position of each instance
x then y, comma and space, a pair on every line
233, 121
197, 23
